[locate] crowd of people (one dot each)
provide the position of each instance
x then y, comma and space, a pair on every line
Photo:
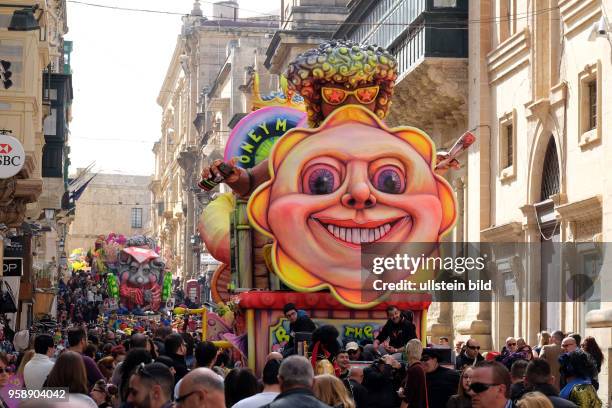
160, 368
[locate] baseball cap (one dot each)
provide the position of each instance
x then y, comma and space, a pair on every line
352, 346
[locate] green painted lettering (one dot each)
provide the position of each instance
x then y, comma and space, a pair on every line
254, 137
244, 159
247, 147
281, 123
264, 127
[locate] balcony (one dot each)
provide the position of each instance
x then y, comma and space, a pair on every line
429, 38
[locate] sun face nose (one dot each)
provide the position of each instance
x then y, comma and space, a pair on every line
359, 196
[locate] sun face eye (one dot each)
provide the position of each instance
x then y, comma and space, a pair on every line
389, 179
320, 179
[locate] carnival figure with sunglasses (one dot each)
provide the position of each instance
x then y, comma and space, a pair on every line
335, 74
469, 356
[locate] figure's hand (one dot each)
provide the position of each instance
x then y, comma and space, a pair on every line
214, 170
389, 349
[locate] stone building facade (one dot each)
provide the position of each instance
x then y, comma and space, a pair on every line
34, 45
111, 203
201, 94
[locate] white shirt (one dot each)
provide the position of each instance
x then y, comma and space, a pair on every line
257, 400
36, 371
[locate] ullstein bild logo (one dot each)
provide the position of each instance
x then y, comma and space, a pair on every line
12, 156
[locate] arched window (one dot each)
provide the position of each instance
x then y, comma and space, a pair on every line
550, 173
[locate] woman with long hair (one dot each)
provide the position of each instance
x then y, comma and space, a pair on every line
590, 346
534, 400
107, 366
543, 340
27, 356
240, 383
462, 399
330, 390
69, 372
132, 360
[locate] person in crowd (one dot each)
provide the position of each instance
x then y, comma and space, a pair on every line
441, 382
414, 388
176, 349
577, 368
133, 360
590, 346
355, 351
462, 399
510, 347
517, 376
38, 368
358, 392
152, 348
77, 341
342, 358
27, 356
490, 386
271, 387
151, 387
459, 346
106, 365
189, 347
550, 353
577, 338
5, 372
91, 351
534, 400
382, 379
569, 344
69, 372
330, 390
103, 393
118, 352
296, 377
201, 387
324, 346
544, 339
395, 334
299, 322
469, 356
443, 342
205, 354
520, 342
538, 377
240, 383
274, 355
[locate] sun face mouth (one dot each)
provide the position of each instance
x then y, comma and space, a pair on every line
350, 232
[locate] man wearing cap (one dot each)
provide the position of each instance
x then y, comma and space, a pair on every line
354, 351
441, 382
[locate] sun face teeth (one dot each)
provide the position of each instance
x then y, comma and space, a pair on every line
358, 235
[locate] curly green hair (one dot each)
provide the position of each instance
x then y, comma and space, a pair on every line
346, 63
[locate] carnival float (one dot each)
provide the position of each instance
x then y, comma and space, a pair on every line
316, 176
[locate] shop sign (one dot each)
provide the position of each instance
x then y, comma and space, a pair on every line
12, 156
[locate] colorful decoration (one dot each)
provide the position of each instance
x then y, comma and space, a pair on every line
167, 287
285, 97
252, 138
140, 273
349, 182
113, 286
346, 66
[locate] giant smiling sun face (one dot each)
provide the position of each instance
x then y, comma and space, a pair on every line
350, 182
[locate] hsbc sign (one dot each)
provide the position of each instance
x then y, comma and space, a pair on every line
12, 156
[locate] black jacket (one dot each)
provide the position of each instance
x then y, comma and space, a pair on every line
302, 324
382, 385
296, 398
442, 383
398, 334
463, 360
180, 366
358, 392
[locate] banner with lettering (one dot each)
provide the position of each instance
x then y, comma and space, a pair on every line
350, 330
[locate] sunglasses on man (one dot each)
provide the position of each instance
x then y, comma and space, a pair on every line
474, 347
478, 387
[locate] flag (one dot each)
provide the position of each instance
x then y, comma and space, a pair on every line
76, 194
